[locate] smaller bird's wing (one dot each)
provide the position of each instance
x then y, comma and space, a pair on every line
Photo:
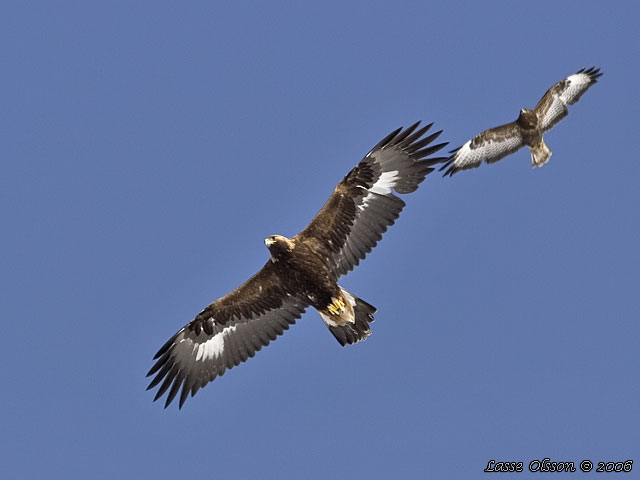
552, 107
224, 334
363, 204
491, 145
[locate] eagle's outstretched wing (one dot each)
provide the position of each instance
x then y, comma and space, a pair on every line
224, 334
552, 107
490, 145
363, 204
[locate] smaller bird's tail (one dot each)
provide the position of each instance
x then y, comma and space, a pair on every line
540, 154
348, 318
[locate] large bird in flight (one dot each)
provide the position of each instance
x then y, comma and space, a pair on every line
496, 143
302, 271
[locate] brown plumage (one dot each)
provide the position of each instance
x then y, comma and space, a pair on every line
496, 143
302, 271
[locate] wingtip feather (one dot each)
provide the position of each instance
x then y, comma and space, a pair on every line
593, 72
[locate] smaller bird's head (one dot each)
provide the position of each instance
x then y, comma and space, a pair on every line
278, 246
528, 118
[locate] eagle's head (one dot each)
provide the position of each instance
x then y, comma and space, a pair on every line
278, 246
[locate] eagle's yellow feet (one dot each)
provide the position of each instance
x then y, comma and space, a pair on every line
337, 306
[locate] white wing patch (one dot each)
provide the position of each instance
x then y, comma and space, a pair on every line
385, 183
214, 347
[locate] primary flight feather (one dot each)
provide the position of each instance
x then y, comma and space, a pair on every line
496, 143
302, 271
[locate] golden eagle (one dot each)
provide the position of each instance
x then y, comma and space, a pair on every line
302, 271
496, 143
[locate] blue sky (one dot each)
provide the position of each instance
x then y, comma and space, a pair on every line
149, 147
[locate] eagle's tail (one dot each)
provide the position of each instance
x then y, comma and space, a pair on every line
348, 318
540, 154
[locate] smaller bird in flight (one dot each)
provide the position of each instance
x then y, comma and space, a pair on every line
496, 143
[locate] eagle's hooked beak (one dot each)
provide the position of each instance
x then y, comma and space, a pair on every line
269, 241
